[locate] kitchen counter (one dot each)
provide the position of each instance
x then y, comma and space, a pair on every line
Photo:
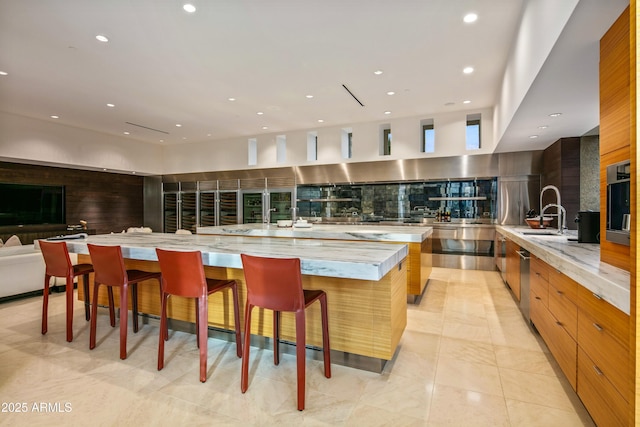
371, 261
579, 261
365, 284
402, 234
416, 238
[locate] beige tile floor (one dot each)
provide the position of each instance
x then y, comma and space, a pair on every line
467, 358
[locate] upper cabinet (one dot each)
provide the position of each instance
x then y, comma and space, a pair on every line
615, 123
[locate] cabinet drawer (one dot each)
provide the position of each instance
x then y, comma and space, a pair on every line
539, 268
611, 358
605, 405
560, 343
564, 310
614, 321
564, 284
539, 285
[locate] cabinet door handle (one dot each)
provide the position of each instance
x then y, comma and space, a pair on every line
559, 292
598, 327
538, 298
537, 274
558, 323
598, 371
596, 296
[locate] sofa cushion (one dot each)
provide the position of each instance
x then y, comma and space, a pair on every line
13, 241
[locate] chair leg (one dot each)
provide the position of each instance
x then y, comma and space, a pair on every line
123, 322
301, 356
112, 311
45, 303
87, 306
163, 328
326, 348
94, 315
236, 319
134, 306
203, 326
69, 291
197, 322
276, 337
244, 374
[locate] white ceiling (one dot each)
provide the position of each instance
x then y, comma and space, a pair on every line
163, 66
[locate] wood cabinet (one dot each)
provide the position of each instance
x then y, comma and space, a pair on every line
513, 267
615, 123
554, 314
587, 336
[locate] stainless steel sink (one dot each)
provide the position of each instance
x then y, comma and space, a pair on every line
541, 233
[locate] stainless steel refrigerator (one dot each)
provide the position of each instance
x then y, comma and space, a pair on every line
516, 196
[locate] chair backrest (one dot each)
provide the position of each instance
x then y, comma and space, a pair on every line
108, 264
182, 273
273, 283
56, 258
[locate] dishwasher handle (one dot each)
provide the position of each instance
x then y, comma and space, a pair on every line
524, 255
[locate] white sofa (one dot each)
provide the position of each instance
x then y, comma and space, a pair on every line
22, 270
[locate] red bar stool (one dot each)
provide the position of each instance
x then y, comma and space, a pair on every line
109, 268
58, 264
276, 284
183, 275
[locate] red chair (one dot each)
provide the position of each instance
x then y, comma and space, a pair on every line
109, 268
58, 264
276, 284
183, 275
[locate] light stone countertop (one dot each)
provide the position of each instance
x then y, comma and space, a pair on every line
364, 260
579, 261
400, 234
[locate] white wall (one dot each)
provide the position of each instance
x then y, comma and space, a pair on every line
39, 141
541, 24
406, 139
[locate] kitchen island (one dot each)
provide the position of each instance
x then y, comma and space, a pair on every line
417, 239
365, 285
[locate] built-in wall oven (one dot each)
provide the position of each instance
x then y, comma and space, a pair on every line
618, 202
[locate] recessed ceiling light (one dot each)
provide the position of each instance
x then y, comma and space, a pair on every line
110, 105
543, 127
104, 169
102, 38
231, 99
126, 133
470, 17
184, 138
189, 8
265, 127
162, 140
377, 72
178, 125
387, 112
449, 104
3, 73
208, 134
259, 113
468, 70
533, 136
320, 121
555, 114
466, 101
55, 117
134, 172
391, 93
309, 96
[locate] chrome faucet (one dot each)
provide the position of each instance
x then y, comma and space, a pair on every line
555, 189
562, 216
268, 216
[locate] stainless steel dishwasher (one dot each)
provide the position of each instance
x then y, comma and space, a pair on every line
524, 283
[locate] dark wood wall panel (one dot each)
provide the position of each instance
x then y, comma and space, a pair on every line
562, 169
107, 201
